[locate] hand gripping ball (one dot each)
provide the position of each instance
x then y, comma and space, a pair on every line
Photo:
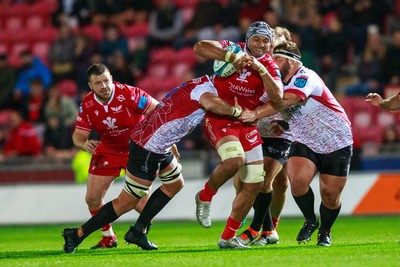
225, 69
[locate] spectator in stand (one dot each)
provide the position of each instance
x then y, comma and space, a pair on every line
226, 25
33, 111
31, 68
356, 16
165, 25
390, 140
391, 67
22, 139
199, 28
370, 68
254, 9
121, 70
139, 58
312, 41
62, 53
336, 45
82, 12
60, 113
84, 49
112, 42
106, 12
7, 82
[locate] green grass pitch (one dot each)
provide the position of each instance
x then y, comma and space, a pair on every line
357, 241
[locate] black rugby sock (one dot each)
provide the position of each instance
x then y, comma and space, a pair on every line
157, 201
261, 208
306, 205
105, 216
328, 217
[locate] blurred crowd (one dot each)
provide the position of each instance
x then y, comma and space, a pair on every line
47, 45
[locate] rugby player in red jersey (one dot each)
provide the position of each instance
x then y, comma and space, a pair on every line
238, 144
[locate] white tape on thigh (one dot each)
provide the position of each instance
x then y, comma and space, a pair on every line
232, 149
252, 174
135, 189
256, 154
172, 175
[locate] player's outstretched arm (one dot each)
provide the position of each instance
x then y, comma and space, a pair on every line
390, 103
269, 108
215, 104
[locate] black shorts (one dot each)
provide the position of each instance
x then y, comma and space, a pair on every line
145, 164
336, 163
276, 148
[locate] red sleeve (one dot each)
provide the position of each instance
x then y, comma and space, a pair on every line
141, 99
81, 121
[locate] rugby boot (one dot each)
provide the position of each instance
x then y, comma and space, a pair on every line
324, 239
203, 209
71, 239
107, 242
232, 243
306, 231
139, 239
266, 238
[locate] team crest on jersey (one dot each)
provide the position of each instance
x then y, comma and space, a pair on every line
243, 75
301, 81
120, 98
110, 122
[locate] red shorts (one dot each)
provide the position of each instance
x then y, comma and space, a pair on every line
217, 128
108, 162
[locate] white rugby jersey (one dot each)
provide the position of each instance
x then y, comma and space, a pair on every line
318, 121
265, 124
176, 115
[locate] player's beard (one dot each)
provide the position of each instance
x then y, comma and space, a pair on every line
104, 94
285, 70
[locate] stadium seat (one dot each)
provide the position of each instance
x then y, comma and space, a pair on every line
41, 49
18, 10
150, 85
166, 55
68, 87
186, 3
158, 70
43, 8
46, 34
94, 31
3, 48
348, 105
368, 135
134, 30
385, 118
35, 22
186, 55
364, 114
13, 24
180, 69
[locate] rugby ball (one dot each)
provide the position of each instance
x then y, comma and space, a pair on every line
225, 69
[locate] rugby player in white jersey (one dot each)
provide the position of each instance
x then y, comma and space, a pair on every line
322, 141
